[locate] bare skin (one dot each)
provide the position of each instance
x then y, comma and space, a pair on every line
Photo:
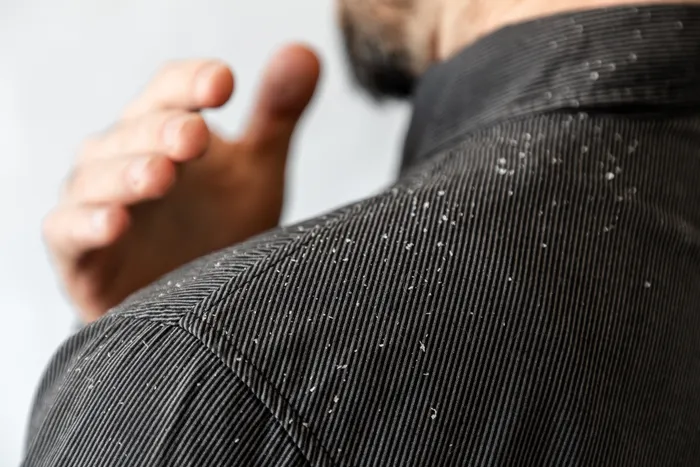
160, 189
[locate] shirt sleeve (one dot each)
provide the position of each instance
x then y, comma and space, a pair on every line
129, 392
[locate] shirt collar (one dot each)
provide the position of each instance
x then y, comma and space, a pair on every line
641, 58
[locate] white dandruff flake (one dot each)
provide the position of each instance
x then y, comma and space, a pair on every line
312, 389
409, 246
647, 285
433, 413
609, 176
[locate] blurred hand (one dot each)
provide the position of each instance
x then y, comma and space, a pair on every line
160, 189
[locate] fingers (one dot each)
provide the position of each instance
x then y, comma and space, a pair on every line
188, 84
177, 134
287, 87
72, 230
123, 180
135, 161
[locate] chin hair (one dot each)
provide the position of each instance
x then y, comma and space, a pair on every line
382, 72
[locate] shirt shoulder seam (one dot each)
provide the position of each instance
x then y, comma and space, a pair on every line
219, 294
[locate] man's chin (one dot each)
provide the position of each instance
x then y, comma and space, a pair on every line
387, 83
380, 72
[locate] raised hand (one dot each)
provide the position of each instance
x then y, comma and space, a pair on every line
160, 189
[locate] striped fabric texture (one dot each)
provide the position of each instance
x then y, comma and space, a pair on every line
527, 293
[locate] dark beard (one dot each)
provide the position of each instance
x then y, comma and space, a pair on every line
381, 72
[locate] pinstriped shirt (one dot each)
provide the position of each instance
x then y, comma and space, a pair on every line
526, 293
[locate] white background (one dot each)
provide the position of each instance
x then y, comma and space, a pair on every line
66, 69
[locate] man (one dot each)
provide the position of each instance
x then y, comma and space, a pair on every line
528, 293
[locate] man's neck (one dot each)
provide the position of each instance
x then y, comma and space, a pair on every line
464, 21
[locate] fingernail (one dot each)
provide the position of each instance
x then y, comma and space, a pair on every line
204, 77
137, 172
172, 130
99, 220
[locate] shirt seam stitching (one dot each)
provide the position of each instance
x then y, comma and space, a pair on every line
419, 179
256, 396
221, 362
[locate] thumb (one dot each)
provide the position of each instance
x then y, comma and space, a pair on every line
287, 87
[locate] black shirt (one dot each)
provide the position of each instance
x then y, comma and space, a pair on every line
527, 293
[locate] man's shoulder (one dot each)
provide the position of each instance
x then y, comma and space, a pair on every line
263, 311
